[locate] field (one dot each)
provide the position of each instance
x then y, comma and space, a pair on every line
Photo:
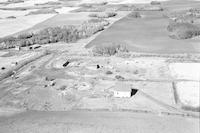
133, 32
59, 20
76, 121
22, 21
75, 66
11, 26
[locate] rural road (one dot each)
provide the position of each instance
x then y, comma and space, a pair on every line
96, 122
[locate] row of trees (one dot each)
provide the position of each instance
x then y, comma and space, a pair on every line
103, 15
110, 48
55, 34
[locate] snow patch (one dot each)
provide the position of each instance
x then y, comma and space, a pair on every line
11, 26
188, 93
65, 10
189, 71
28, 3
5, 13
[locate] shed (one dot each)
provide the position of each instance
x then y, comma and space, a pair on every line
14, 63
123, 90
17, 48
36, 46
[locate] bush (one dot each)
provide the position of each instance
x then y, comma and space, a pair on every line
98, 20
11, 17
194, 12
42, 11
126, 8
89, 29
15, 1
92, 26
51, 3
93, 4
90, 9
103, 15
103, 3
86, 5
25, 35
111, 14
155, 3
134, 15
8, 42
189, 108
93, 15
109, 72
183, 30
119, 77
109, 49
149, 8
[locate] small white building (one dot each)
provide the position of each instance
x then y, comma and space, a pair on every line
17, 48
14, 63
123, 90
35, 46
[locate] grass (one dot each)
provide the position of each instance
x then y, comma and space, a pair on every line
183, 30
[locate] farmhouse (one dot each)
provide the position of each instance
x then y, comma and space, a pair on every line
123, 90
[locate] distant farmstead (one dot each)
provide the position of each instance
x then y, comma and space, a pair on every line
122, 90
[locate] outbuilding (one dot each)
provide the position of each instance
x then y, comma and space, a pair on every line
122, 90
36, 46
17, 48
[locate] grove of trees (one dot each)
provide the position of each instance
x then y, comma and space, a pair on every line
55, 34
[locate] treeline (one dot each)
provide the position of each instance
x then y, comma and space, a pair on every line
103, 15
110, 48
43, 11
55, 34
